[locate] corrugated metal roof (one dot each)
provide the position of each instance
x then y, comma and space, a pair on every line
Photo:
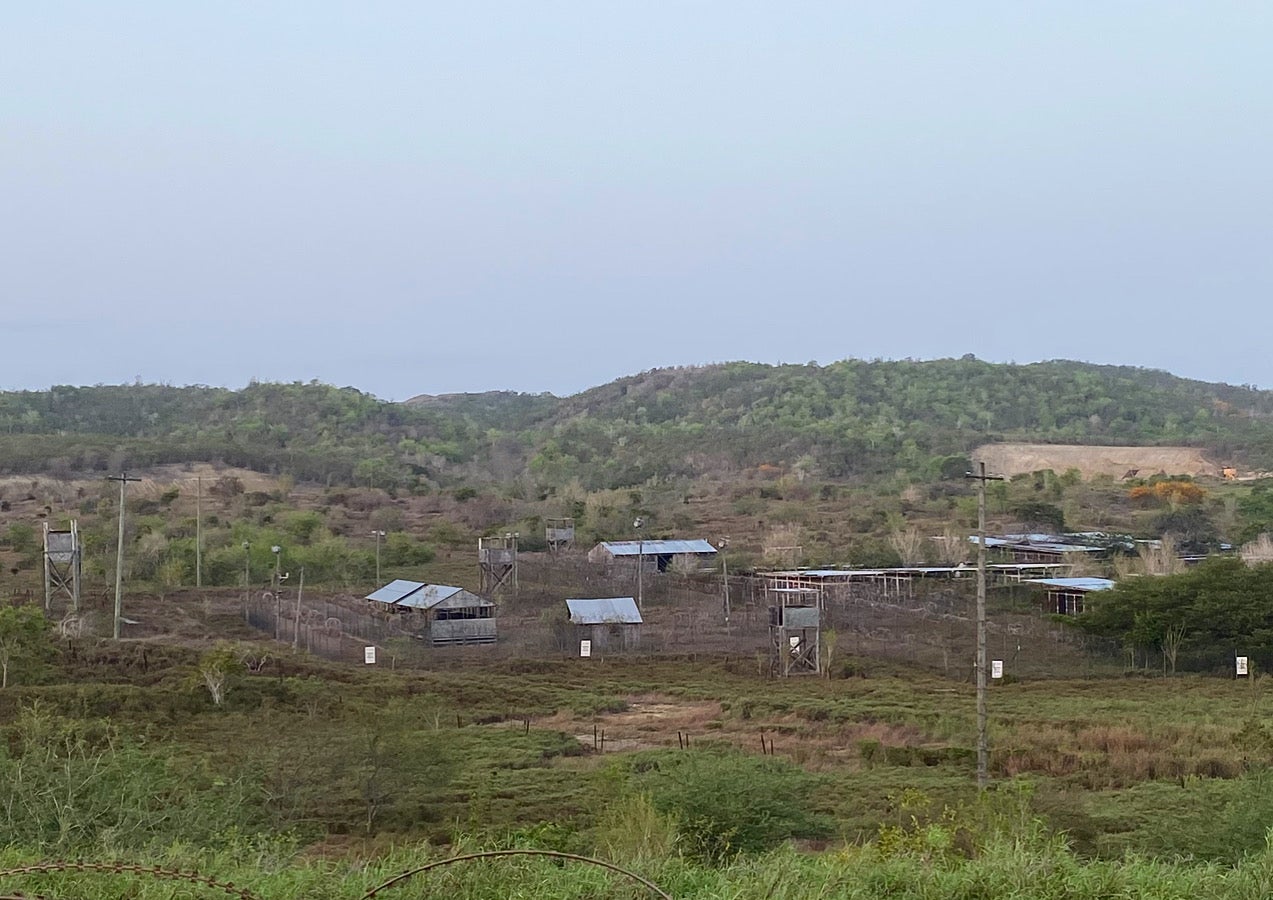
604, 611
657, 548
1045, 546
1075, 584
413, 594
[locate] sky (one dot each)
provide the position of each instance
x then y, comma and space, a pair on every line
414, 197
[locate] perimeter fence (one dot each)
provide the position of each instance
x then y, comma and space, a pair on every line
930, 624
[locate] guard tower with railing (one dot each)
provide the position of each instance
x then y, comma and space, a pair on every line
560, 534
795, 630
63, 564
497, 564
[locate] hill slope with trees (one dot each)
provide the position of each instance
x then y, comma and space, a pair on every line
848, 419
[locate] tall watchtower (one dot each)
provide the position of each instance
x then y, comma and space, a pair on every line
497, 564
795, 630
560, 534
63, 562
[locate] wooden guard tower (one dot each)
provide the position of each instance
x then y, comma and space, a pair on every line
795, 630
560, 534
63, 562
497, 563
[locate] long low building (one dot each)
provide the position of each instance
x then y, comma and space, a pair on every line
454, 615
658, 555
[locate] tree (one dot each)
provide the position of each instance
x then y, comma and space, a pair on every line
215, 668
24, 638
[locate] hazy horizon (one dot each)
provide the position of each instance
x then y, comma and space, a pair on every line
433, 199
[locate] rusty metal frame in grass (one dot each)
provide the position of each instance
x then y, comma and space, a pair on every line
227, 887
120, 868
494, 854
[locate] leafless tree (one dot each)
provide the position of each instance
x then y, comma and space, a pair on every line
1258, 551
908, 544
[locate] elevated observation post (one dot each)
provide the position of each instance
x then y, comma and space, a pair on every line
560, 534
795, 629
63, 564
497, 564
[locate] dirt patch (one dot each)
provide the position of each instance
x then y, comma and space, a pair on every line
1017, 459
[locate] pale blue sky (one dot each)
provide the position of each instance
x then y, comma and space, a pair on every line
411, 197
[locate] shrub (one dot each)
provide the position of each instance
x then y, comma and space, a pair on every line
725, 802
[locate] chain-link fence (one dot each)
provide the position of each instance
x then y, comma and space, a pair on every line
929, 624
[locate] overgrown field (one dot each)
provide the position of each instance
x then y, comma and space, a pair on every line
122, 752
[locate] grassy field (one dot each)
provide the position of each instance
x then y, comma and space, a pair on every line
541, 750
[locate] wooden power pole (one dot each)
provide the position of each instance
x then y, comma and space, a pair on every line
983, 744
123, 478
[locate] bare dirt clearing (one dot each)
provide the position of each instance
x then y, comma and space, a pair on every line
1089, 459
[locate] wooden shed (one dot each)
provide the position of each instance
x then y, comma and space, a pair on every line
453, 615
607, 623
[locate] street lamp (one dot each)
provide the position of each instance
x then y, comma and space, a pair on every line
638, 524
378, 534
279, 578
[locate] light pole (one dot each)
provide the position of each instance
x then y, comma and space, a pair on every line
278, 588
724, 567
638, 524
379, 534
983, 743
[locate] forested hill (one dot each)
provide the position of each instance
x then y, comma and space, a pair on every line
849, 418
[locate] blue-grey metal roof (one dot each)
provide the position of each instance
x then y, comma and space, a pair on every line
413, 594
604, 611
1014, 543
1075, 584
657, 548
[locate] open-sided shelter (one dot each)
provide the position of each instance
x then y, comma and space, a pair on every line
1066, 595
454, 615
656, 555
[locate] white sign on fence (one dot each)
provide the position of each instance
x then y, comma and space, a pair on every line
369, 655
585, 648
996, 668
1241, 664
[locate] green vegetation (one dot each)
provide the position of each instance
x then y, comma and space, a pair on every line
1198, 619
850, 418
254, 763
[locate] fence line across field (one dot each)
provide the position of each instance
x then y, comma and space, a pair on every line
930, 626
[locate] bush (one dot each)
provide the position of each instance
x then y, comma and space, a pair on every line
725, 802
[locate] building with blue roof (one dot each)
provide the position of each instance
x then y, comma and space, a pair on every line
452, 614
656, 555
607, 623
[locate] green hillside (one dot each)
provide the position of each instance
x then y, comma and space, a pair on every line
850, 418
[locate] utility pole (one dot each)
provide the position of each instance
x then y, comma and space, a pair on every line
296, 631
123, 478
724, 565
983, 746
379, 534
198, 532
638, 524
247, 574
